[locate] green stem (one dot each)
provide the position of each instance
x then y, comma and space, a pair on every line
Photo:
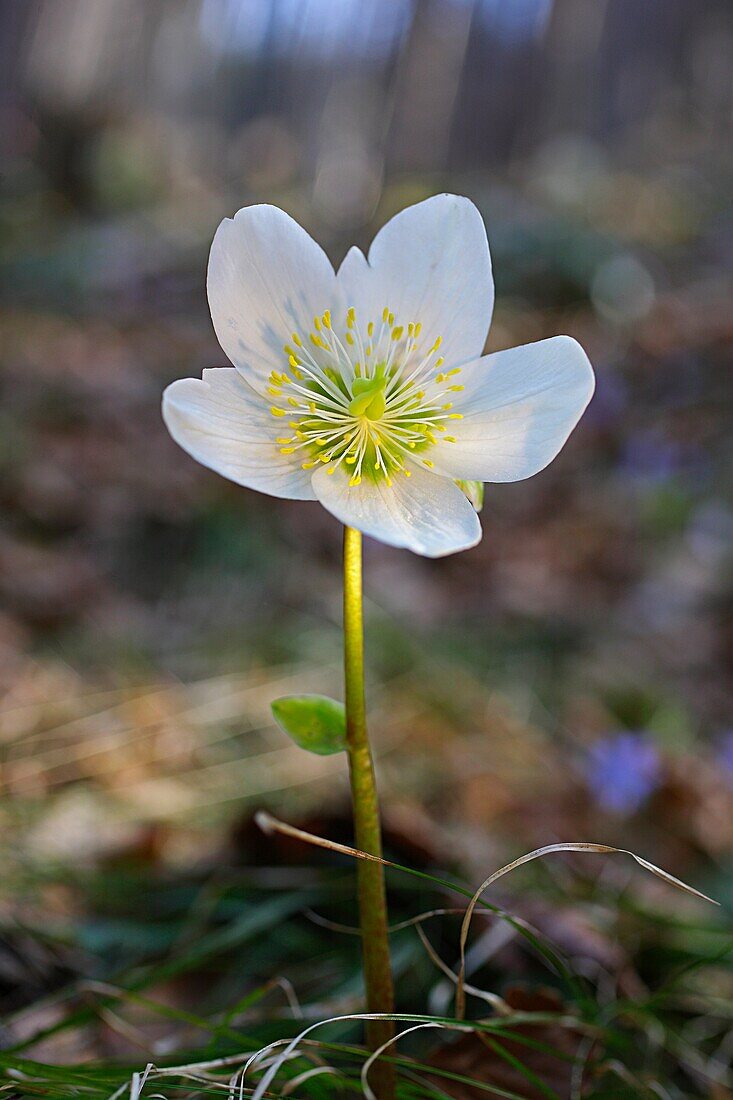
367, 829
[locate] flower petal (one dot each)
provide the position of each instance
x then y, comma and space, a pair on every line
267, 278
424, 513
431, 264
222, 423
519, 407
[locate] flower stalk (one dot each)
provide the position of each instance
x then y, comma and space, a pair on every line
367, 828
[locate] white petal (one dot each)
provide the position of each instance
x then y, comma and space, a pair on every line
225, 425
519, 407
424, 513
431, 264
267, 278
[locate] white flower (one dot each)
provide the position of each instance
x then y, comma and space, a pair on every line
366, 390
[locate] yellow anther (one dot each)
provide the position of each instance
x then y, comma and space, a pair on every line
390, 320
455, 389
349, 338
370, 328
451, 373
438, 342
317, 323
388, 480
327, 319
385, 315
331, 470
287, 450
411, 444
456, 416
428, 463
293, 403
321, 442
274, 391
410, 329
407, 473
351, 459
288, 350
449, 405
397, 332
294, 363
440, 378
450, 439
356, 480
308, 465
294, 423
325, 458
369, 350
283, 439
297, 340
312, 406
440, 427
418, 329
357, 369
350, 316
277, 412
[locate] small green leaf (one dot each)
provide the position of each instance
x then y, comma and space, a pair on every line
314, 722
474, 490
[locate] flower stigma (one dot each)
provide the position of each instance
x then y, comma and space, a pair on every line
368, 399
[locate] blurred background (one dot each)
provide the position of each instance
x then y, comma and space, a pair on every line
570, 678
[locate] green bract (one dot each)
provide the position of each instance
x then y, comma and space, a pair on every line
314, 722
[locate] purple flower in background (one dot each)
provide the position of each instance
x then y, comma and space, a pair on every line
622, 771
650, 458
725, 754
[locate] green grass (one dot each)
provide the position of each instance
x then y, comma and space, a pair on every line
196, 972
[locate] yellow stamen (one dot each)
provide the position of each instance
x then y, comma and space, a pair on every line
277, 412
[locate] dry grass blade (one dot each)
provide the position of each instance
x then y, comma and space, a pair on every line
366, 1087
549, 849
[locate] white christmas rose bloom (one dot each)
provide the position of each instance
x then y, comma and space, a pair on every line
366, 390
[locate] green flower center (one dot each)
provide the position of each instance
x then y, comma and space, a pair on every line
368, 399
